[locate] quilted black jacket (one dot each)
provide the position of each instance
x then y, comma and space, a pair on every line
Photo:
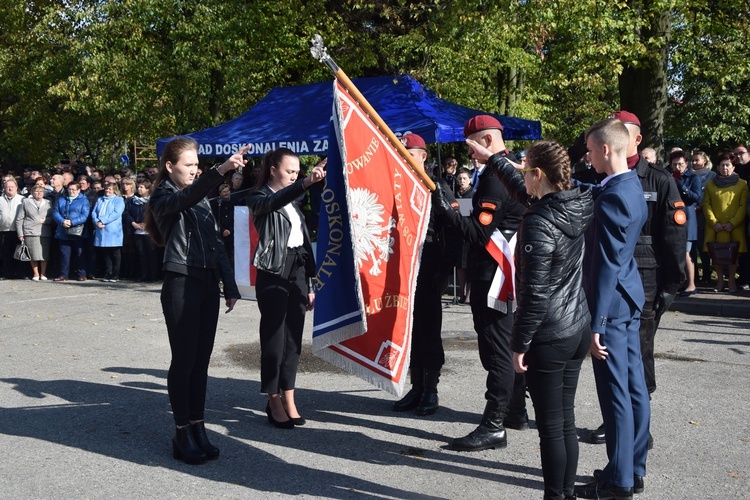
549, 262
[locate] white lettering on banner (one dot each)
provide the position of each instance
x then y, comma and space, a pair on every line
365, 158
321, 146
261, 148
205, 149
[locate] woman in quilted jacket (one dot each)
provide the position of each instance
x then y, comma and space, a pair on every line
551, 324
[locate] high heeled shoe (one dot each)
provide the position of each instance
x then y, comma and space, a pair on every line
288, 424
185, 448
201, 439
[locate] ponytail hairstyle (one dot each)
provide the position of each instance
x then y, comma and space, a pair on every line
552, 159
171, 154
271, 159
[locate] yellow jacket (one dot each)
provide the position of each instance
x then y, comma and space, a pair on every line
726, 204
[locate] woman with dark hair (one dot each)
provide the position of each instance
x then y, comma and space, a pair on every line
72, 211
551, 324
179, 218
284, 287
690, 191
702, 169
725, 208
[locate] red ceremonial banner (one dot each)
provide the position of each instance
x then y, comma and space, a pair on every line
388, 210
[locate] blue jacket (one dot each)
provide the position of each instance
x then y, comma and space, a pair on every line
108, 210
610, 271
77, 211
691, 193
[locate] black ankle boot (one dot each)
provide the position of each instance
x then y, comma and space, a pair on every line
411, 400
201, 439
489, 434
185, 448
428, 403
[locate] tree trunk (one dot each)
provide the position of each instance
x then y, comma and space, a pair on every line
643, 88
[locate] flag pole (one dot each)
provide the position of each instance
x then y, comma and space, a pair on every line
320, 53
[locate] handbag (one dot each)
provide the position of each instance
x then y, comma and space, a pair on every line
723, 253
22, 252
74, 231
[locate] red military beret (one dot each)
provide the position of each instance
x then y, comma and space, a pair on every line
626, 117
481, 122
413, 141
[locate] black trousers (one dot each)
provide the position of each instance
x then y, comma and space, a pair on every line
148, 257
281, 300
427, 344
112, 258
553, 379
493, 331
191, 311
648, 327
8, 242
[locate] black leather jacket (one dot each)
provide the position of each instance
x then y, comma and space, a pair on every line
549, 262
191, 236
273, 226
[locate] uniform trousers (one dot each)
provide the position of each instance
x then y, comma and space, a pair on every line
281, 301
552, 378
427, 345
191, 311
648, 327
493, 334
623, 399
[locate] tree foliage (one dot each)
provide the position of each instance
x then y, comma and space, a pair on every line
89, 76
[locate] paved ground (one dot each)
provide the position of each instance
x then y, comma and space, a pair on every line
84, 412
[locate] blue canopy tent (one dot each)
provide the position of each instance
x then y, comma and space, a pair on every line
298, 118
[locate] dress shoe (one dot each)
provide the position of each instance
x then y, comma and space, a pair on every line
201, 439
517, 422
597, 436
299, 421
60, 278
288, 424
638, 485
185, 448
82, 278
603, 491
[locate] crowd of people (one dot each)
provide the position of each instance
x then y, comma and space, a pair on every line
81, 223
601, 251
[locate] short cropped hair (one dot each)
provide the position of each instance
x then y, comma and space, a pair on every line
611, 132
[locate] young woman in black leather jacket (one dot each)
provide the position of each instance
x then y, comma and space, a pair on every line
284, 288
179, 217
551, 324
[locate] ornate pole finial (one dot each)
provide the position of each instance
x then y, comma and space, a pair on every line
320, 53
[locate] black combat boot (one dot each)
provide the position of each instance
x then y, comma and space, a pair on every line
489, 434
428, 404
411, 400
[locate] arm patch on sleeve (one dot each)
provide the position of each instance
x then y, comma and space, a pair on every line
485, 218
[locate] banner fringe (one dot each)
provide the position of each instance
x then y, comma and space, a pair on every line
363, 373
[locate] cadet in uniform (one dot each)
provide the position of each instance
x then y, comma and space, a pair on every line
492, 208
435, 271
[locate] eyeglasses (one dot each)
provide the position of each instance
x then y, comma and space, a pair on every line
524, 170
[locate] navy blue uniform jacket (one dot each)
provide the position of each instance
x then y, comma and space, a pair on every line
610, 271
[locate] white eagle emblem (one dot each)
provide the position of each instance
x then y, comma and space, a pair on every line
372, 236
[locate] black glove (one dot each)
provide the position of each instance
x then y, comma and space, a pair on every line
441, 206
662, 303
